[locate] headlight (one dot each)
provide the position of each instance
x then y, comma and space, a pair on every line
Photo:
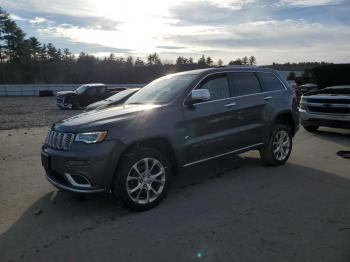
92, 137
302, 105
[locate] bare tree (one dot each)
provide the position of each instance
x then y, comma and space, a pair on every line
252, 60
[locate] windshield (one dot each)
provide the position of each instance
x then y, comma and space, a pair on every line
81, 89
162, 90
121, 95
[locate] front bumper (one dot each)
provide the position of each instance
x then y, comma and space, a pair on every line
94, 165
331, 120
61, 186
64, 105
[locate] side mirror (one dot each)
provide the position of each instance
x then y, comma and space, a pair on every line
198, 95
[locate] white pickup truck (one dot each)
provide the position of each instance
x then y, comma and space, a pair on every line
327, 107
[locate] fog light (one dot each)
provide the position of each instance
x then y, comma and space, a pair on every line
77, 180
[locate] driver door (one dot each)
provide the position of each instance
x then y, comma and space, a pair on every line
89, 96
211, 126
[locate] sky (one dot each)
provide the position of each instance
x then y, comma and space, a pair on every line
271, 30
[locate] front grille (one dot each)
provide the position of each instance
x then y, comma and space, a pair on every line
60, 99
329, 110
58, 140
329, 100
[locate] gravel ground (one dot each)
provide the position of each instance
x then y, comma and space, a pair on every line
230, 209
20, 112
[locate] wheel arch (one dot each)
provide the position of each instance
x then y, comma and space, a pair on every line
285, 118
160, 143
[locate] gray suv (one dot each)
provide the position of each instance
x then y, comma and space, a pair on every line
176, 121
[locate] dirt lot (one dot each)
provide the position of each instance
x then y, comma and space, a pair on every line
19, 112
230, 209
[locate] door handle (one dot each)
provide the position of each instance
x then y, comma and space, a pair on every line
230, 104
267, 97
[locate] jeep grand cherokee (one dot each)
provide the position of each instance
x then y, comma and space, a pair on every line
176, 121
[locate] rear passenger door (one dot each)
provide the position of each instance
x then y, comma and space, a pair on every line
246, 90
210, 127
273, 95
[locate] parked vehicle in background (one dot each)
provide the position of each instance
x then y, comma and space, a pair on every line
327, 107
176, 121
114, 100
84, 95
302, 89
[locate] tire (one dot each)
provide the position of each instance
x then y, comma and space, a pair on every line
281, 136
75, 104
310, 128
135, 189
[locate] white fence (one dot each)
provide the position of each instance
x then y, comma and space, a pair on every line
33, 90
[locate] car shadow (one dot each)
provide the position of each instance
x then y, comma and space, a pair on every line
335, 135
275, 201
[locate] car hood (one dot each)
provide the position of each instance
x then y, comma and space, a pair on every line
97, 104
66, 93
100, 119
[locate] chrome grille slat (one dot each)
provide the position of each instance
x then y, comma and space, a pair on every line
55, 139
47, 137
51, 139
64, 142
59, 140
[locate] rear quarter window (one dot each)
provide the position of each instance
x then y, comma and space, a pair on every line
270, 82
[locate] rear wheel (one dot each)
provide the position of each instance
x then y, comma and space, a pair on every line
277, 150
142, 179
310, 128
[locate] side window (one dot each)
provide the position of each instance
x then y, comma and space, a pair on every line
244, 83
270, 82
217, 85
101, 90
91, 91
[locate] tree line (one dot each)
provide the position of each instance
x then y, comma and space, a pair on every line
27, 61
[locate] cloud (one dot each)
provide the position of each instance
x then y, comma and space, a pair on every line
93, 22
203, 13
87, 35
38, 20
272, 30
17, 17
76, 7
288, 38
169, 47
310, 2
267, 33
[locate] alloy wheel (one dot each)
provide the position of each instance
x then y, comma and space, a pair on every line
145, 181
281, 145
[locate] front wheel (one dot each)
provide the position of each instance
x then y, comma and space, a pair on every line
277, 151
142, 179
